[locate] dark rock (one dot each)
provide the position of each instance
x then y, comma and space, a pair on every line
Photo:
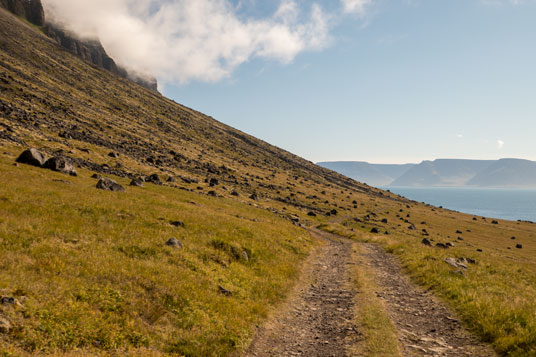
311, 214
442, 246
450, 244
471, 260
136, 182
412, 227
171, 179
177, 223
254, 196
8, 300
426, 242
60, 164
113, 154
458, 232
333, 212
494, 222
109, 185
234, 193
96, 176
224, 291
31, 157
479, 250
384, 220
212, 193
519, 246
153, 179
174, 243
374, 230
295, 219
513, 238
460, 238
213, 182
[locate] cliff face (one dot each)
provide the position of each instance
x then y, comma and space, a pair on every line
32, 10
89, 50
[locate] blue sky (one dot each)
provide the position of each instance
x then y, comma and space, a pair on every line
396, 81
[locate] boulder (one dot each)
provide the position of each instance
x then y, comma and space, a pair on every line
171, 179
60, 164
234, 193
174, 243
113, 154
32, 157
519, 246
374, 230
442, 246
96, 176
177, 223
136, 182
109, 185
254, 196
426, 242
213, 182
153, 179
224, 291
311, 214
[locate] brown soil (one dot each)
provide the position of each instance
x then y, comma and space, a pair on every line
318, 320
426, 327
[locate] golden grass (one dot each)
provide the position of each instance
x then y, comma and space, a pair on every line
93, 273
380, 337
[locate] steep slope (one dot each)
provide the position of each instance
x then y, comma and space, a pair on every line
442, 172
52, 96
507, 173
372, 174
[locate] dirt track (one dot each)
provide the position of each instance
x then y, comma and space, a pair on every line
318, 318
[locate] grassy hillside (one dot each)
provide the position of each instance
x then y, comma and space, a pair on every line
91, 271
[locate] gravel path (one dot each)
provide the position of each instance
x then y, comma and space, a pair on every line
318, 318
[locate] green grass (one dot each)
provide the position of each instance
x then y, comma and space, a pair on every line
93, 273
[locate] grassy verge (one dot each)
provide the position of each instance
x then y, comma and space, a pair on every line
380, 337
91, 271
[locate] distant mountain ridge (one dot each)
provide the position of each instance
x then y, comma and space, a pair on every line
503, 173
373, 174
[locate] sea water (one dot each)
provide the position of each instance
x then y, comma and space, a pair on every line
511, 204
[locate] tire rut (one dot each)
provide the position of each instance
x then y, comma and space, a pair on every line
426, 327
318, 319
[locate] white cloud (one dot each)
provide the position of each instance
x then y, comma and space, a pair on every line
459, 136
183, 40
355, 6
500, 144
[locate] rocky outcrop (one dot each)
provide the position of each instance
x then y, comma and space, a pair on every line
89, 50
32, 10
